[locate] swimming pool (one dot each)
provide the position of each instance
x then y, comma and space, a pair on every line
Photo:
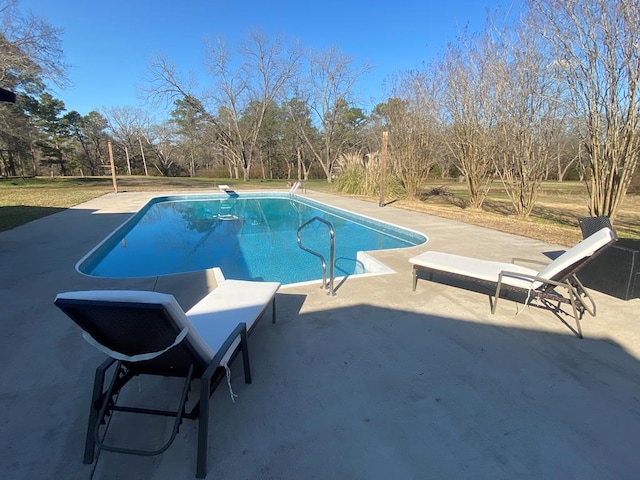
249, 236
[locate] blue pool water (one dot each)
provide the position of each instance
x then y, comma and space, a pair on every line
249, 236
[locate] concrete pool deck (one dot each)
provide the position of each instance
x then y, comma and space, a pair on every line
377, 382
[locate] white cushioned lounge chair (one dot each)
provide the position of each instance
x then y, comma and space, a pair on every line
148, 333
557, 281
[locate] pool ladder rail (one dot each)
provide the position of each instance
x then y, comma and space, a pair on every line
299, 185
332, 235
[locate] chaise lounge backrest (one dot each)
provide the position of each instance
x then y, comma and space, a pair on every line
138, 327
590, 225
571, 260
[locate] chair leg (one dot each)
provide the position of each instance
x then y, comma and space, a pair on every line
98, 386
572, 299
273, 310
581, 295
244, 346
203, 427
90, 444
415, 279
494, 303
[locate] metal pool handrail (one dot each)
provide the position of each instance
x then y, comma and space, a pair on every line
332, 235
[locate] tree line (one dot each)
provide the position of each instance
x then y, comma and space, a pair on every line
549, 92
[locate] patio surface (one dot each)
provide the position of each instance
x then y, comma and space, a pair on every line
378, 382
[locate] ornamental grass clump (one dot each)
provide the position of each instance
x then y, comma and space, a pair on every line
360, 175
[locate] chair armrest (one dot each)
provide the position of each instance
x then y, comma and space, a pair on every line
535, 278
574, 291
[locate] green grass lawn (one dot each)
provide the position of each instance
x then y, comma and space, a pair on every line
23, 200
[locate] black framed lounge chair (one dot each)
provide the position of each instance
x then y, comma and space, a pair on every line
556, 282
148, 333
617, 271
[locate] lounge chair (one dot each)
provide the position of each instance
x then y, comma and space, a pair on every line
617, 271
543, 284
148, 333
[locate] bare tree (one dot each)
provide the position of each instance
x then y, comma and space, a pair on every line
413, 130
528, 99
161, 139
165, 86
326, 89
566, 151
246, 92
468, 109
597, 45
30, 50
243, 87
30, 55
127, 126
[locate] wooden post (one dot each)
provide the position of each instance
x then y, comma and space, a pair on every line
113, 167
383, 167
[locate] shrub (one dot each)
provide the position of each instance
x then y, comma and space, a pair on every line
360, 176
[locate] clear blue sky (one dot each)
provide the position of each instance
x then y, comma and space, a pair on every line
109, 44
